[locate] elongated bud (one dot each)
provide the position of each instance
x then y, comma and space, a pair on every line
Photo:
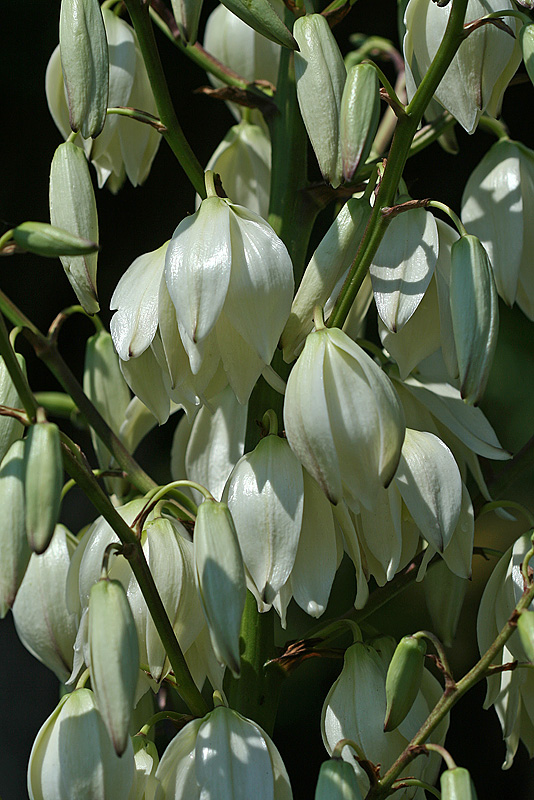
221, 579
73, 208
10, 428
360, 113
46, 240
444, 596
85, 64
43, 481
187, 16
330, 261
108, 391
526, 38
525, 626
475, 315
13, 541
456, 784
320, 74
337, 781
403, 680
262, 17
114, 655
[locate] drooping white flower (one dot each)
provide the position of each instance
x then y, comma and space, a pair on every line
73, 758
230, 279
125, 147
481, 69
223, 756
403, 265
497, 207
510, 692
343, 419
243, 161
42, 621
355, 708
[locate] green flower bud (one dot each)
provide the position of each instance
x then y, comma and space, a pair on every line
10, 428
187, 16
475, 315
13, 540
73, 207
403, 680
526, 38
85, 64
108, 391
220, 579
262, 17
114, 656
360, 113
45, 240
337, 781
43, 482
444, 596
525, 626
320, 74
456, 784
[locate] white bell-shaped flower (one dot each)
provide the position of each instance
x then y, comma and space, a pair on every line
10, 428
243, 161
13, 539
223, 756
72, 757
510, 692
355, 708
230, 279
497, 207
430, 326
481, 69
245, 51
403, 265
125, 147
343, 418
44, 624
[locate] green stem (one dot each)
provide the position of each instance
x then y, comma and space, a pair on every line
49, 354
76, 467
494, 126
455, 219
421, 784
450, 697
256, 693
400, 148
174, 135
16, 374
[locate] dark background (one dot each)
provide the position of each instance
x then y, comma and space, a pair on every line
139, 220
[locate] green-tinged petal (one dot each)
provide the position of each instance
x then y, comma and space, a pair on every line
403, 266
14, 542
429, 481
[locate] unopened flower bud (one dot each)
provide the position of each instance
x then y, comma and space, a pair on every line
10, 428
456, 784
43, 482
85, 64
73, 208
403, 679
320, 74
525, 626
46, 240
475, 315
114, 654
221, 579
337, 781
359, 116
444, 597
526, 38
327, 266
13, 540
262, 17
